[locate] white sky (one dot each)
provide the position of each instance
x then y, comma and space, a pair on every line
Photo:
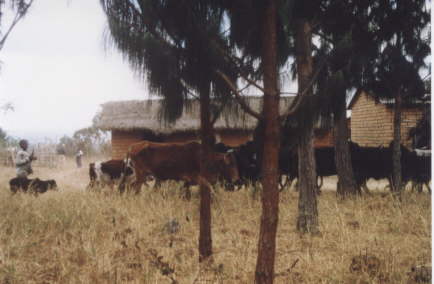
56, 72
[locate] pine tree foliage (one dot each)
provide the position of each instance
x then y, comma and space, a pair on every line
245, 21
401, 31
367, 44
176, 45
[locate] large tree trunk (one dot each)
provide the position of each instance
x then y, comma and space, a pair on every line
346, 183
307, 205
207, 137
270, 194
396, 155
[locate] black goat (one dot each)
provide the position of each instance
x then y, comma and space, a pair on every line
35, 186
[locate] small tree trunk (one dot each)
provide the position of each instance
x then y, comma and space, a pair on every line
270, 194
346, 182
307, 205
396, 155
207, 137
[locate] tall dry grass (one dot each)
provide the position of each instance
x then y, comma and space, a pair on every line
73, 236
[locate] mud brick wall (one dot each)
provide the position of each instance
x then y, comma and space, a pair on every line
372, 123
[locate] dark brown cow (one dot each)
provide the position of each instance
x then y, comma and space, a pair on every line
178, 161
108, 172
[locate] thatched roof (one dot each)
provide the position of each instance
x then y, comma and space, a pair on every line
129, 115
389, 102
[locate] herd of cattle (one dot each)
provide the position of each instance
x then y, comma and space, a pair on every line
235, 167
162, 162
238, 166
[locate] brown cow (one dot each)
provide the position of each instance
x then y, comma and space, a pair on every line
178, 161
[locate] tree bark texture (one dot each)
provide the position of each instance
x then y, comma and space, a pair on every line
346, 182
270, 194
307, 221
207, 138
396, 154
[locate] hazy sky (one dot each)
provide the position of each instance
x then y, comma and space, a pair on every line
56, 72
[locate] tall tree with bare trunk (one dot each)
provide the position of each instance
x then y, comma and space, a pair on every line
169, 42
346, 47
270, 195
307, 220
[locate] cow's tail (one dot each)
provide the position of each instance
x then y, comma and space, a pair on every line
320, 182
92, 176
122, 184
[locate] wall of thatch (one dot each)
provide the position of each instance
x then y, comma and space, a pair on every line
146, 114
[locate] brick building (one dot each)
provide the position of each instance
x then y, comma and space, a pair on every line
372, 121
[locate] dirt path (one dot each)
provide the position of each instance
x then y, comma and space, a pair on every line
68, 176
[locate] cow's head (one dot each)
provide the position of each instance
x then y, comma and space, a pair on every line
52, 185
128, 167
230, 167
92, 172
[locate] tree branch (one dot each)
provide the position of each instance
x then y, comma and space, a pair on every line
214, 119
239, 98
237, 62
302, 95
251, 82
192, 94
17, 18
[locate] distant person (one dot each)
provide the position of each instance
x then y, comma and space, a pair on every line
78, 157
23, 161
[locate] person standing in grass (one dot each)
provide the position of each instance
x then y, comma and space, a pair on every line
23, 161
78, 158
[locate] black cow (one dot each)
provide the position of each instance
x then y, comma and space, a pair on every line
377, 163
370, 162
324, 158
288, 166
246, 157
415, 168
367, 162
362, 160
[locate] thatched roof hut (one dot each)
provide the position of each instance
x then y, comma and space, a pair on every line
133, 121
147, 114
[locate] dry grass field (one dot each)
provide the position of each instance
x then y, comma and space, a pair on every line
74, 236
